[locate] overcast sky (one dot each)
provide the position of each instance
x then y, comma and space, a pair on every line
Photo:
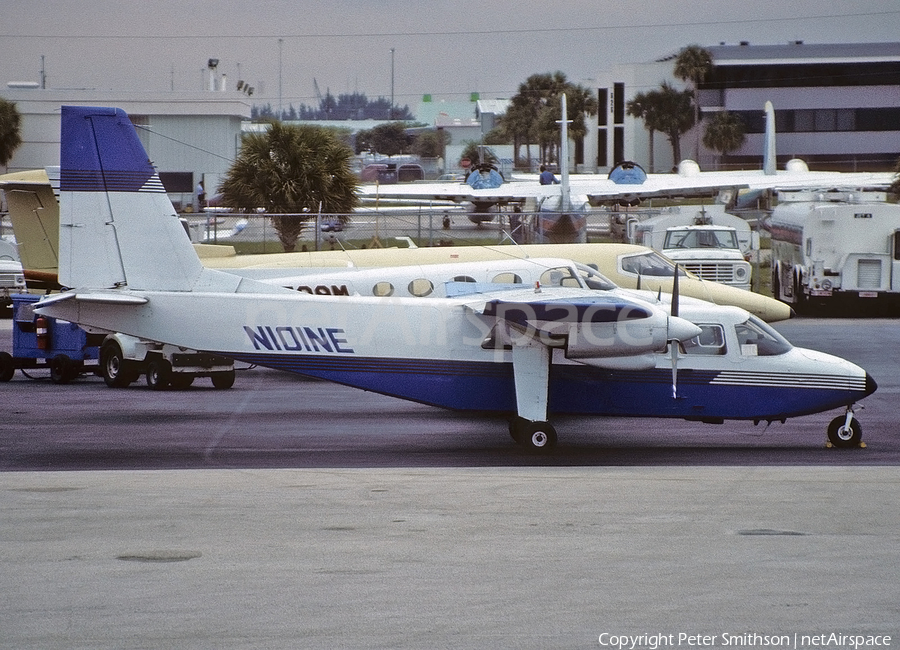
448, 49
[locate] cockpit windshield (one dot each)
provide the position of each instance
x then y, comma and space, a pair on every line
700, 238
594, 279
576, 275
759, 339
649, 263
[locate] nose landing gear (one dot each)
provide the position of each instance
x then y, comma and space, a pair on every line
845, 431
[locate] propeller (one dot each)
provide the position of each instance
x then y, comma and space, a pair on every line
673, 344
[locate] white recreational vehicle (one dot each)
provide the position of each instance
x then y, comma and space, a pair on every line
836, 245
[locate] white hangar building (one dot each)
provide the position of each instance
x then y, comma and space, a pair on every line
837, 106
189, 136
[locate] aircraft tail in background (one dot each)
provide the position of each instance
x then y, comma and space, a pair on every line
769, 157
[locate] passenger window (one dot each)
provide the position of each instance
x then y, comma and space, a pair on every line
383, 289
420, 287
710, 341
507, 278
463, 278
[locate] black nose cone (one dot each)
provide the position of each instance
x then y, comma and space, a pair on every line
871, 386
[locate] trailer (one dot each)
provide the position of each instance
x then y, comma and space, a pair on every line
838, 247
67, 351
40, 342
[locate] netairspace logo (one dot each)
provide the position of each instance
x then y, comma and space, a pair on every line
796, 641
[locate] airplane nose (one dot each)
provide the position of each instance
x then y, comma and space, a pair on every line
681, 329
871, 386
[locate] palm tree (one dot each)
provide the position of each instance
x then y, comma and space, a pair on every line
645, 107
535, 110
10, 130
291, 170
725, 133
666, 110
694, 63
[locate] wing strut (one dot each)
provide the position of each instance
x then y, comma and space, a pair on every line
531, 372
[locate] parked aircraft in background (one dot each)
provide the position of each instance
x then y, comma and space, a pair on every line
629, 266
36, 223
520, 354
629, 184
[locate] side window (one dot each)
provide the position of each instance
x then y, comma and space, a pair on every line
507, 278
464, 278
421, 287
383, 289
710, 341
559, 277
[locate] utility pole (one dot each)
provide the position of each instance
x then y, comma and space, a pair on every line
392, 83
280, 43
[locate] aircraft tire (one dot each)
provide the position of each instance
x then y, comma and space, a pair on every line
159, 374
842, 437
7, 366
537, 437
223, 380
116, 370
515, 428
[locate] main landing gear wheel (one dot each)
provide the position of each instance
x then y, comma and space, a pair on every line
538, 437
842, 436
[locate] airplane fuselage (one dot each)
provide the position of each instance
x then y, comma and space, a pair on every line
433, 351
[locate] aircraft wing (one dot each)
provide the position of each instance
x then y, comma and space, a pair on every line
599, 189
513, 191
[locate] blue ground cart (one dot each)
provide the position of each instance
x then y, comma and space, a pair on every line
41, 342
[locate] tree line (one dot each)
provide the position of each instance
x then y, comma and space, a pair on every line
346, 106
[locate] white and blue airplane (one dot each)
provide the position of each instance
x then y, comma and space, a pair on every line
526, 354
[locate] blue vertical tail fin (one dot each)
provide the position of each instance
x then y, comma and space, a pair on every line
117, 225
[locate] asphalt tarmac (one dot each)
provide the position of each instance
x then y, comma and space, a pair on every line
288, 513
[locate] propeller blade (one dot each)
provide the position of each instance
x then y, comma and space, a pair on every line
639, 281
674, 344
675, 293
